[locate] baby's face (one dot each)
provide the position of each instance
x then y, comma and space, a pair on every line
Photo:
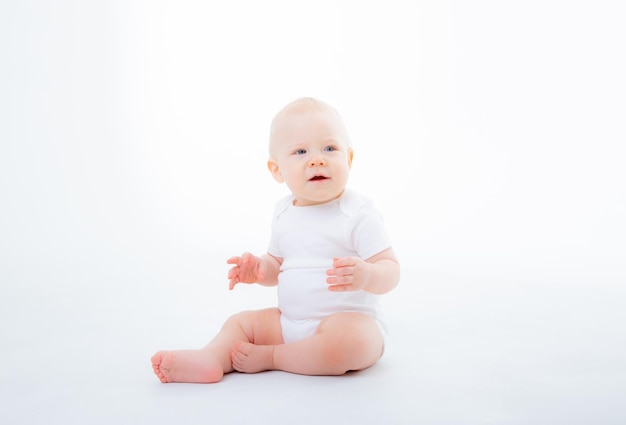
310, 153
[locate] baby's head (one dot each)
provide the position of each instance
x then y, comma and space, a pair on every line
310, 151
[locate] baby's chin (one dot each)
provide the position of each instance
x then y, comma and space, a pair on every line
307, 202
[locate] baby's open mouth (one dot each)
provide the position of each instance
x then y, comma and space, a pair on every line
316, 178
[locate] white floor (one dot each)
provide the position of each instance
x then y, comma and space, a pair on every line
462, 350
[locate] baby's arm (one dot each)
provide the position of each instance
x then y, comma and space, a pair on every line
252, 269
378, 274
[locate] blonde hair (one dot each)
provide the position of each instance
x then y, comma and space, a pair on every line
304, 105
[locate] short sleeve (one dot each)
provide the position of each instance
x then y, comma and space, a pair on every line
274, 246
368, 234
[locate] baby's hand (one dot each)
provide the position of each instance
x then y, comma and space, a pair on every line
248, 269
348, 274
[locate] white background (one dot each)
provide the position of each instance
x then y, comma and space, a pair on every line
490, 134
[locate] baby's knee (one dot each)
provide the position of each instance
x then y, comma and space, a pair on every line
241, 319
352, 346
335, 357
349, 351
237, 317
255, 323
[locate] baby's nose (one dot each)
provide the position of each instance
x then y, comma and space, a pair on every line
317, 162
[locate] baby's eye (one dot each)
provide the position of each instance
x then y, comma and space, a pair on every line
330, 148
300, 151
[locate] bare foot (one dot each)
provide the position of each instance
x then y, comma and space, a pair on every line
250, 358
186, 366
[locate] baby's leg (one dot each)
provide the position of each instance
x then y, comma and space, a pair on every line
210, 363
342, 342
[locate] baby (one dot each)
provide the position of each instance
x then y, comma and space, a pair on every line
328, 254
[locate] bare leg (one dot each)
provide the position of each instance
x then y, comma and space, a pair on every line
342, 342
210, 363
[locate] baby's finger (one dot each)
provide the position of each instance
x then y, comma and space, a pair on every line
340, 280
234, 271
341, 271
232, 283
233, 260
343, 262
340, 288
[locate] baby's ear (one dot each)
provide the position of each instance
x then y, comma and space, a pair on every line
272, 165
350, 156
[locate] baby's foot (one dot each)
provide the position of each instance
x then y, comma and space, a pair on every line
250, 358
186, 366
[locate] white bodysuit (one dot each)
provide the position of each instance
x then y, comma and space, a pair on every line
308, 238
